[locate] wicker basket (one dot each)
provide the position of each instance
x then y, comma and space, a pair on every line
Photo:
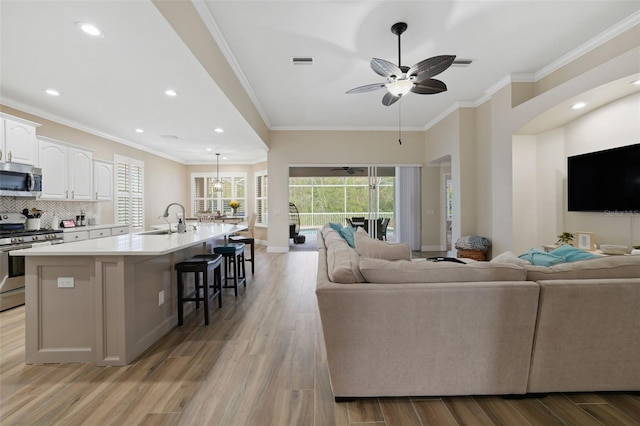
471, 254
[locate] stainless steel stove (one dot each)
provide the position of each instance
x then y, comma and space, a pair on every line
14, 236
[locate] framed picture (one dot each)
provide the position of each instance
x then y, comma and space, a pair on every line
586, 240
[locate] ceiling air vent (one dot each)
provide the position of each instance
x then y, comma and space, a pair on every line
302, 60
461, 62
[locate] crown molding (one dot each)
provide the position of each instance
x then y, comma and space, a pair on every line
209, 21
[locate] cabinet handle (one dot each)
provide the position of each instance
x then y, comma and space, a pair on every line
66, 194
73, 194
0, 154
9, 156
96, 195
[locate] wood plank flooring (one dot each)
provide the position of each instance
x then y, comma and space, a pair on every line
261, 361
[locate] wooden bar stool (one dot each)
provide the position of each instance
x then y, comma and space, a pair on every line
233, 254
207, 266
247, 241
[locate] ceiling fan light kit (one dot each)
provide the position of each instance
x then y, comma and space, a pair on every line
401, 79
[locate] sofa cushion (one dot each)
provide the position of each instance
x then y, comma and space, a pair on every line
541, 258
404, 271
345, 232
342, 260
377, 249
601, 267
510, 257
572, 254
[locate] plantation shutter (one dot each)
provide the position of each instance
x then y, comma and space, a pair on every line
129, 192
261, 198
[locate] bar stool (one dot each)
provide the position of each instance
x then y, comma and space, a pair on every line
233, 253
204, 266
247, 241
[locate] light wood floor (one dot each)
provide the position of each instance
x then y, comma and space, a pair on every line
260, 362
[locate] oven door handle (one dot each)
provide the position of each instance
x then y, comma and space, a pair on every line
15, 247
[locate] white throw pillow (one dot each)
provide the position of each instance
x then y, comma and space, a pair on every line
510, 257
377, 249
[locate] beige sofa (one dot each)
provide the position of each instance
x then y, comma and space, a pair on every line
424, 328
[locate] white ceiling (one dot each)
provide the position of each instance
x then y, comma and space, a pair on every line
113, 85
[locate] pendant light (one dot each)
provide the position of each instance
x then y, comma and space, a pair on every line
217, 185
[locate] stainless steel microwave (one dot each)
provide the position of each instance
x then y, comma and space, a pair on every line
19, 180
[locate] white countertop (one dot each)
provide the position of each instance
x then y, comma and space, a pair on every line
135, 244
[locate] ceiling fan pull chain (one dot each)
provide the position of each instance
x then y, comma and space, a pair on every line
399, 123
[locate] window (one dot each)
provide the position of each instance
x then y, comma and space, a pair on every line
204, 200
129, 180
261, 198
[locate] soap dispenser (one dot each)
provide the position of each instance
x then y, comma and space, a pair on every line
181, 226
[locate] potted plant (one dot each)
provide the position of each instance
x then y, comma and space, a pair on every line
565, 238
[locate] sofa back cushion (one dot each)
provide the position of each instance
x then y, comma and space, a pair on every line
602, 267
377, 249
342, 260
424, 271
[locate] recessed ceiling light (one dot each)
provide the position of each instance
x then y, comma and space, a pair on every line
218, 130
52, 92
139, 131
579, 105
636, 82
90, 29
170, 92
224, 158
209, 149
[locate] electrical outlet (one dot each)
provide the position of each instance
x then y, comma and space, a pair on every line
66, 282
161, 298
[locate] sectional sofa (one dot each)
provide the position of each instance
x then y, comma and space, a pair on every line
419, 328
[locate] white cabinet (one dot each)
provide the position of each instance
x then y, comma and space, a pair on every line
120, 230
75, 236
18, 142
99, 233
67, 172
102, 180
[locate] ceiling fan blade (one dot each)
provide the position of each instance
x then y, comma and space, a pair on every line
389, 99
430, 67
385, 68
429, 86
367, 88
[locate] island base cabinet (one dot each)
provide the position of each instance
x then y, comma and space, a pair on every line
105, 310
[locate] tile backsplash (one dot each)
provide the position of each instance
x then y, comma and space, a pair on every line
63, 209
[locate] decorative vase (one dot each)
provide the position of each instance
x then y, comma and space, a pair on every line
234, 211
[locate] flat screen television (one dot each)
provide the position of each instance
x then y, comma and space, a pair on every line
606, 180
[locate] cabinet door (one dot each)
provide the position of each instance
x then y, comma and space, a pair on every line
2, 145
21, 145
103, 180
53, 162
80, 177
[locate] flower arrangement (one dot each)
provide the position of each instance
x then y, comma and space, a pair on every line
234, 204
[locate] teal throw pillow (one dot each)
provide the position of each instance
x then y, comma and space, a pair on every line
541, 258
346, 233
572, 254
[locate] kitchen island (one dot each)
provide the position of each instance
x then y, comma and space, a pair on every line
107, 300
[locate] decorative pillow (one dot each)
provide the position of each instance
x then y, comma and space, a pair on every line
345, 232
404, 271
510, 257
603, 267
541, 258
377, 249
572, 254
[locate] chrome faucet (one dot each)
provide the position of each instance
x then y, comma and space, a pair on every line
181, 225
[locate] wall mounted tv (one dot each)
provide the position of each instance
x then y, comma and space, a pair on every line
605, 180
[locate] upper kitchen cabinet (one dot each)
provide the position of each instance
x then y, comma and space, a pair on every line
103, 180
67, 171
18, 142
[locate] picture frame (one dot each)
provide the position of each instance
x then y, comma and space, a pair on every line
585, 241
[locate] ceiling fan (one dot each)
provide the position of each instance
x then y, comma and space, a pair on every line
348, 170
402, 79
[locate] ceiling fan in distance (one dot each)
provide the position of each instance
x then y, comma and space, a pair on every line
348, 170
402, 79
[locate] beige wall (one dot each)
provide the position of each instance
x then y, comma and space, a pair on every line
165, 181
339, 148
